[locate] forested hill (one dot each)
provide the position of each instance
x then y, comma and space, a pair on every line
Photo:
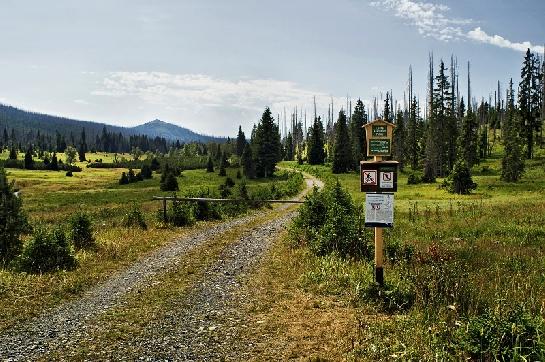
25, 125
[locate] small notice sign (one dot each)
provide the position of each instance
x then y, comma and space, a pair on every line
379, 131
369, 177
379, 147
379, 210
386, 180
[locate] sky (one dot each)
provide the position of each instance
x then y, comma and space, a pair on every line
210, 65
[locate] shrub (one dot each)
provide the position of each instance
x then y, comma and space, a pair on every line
459, 181
239, 174
81, 232
229, 182
69, 173
47, 251
414, 179
311, 216
134, 217
131, 176
502, 335
168, 179
209, 165
124, 180
390, 297
13, 221
181, 214
146, 172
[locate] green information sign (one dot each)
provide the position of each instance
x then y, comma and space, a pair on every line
379, 131
379, 147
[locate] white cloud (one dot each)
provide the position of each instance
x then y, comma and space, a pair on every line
193, 97
81, 101
481, 36
432, 20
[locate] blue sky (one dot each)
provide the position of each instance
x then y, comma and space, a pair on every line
211, 65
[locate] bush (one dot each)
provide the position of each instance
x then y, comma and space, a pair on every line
502, 335
124, 180
328, 222
13, 221
414, 179
69, 174
168, 179
81, 232
47, 251
146, 172
181, 214
134, 217
459, 181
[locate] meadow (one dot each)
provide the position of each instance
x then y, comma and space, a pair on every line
465, 274
50, 198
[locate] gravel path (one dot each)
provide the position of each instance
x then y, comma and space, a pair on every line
193, 332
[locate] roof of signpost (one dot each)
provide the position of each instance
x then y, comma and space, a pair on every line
379, 121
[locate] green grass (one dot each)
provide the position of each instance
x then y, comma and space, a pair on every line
477, 257
50, 198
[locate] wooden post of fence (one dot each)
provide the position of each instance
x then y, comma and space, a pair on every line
164, 209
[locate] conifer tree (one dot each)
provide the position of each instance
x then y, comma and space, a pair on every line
223, 165
412, 145
266, 145
29, 162
468, 140
342, 153
289, 147
399, 137
528, 101
357, 132
12, 153
247, 161
513, 158
210, 165
316, 153
241, 141
54, 165
13, 221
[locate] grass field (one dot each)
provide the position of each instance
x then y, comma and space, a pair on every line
460, 271
50, 198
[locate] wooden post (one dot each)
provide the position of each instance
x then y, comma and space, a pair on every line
379, 271
164, 209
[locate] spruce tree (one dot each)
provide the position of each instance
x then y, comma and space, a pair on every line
241, 141
399, 137
357, 133
412, 146
266, 145
247, 161
513, 158
468, 140
12, 153
316, 153
54, 165
342, 152
210, 165
168, 179
528, 101
13, 221
289, 147
223, 165
459, 181
29, 162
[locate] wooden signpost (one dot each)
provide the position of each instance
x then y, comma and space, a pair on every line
379, 182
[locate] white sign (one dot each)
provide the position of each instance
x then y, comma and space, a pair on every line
379, 210
387, 180
369, 177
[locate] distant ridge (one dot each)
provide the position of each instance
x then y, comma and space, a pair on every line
172, 132
31, 122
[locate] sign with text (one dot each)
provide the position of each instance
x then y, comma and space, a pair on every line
379, 147
379, 130
379, 210
378, 176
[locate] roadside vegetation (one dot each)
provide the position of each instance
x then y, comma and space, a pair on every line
465, 275
72, 232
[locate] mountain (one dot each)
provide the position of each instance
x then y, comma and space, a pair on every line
171, 132
25, 124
